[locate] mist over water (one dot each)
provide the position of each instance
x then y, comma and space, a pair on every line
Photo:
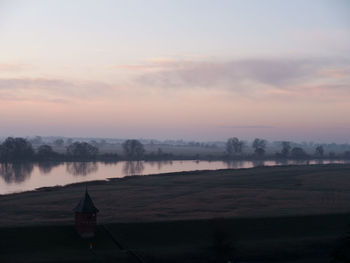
19, 177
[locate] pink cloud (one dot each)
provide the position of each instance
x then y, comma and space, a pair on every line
335, 73
12, 66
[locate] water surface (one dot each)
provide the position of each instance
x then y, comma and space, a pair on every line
21, 177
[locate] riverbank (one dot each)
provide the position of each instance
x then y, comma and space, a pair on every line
255, 192
21, 177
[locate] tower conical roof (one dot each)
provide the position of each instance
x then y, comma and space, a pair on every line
86, 205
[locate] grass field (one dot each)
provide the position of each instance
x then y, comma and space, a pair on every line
265, 214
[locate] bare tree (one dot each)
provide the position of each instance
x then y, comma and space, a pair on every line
319, 151
298, 153
234, 146
285, 148
82, 149
45, 152
58, 142
14, 149
37, 140
133, 149
259, 146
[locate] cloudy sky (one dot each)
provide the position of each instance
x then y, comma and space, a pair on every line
190, 69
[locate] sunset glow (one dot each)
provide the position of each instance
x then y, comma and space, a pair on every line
176, 69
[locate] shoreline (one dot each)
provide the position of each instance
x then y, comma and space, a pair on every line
190, 172
227, 193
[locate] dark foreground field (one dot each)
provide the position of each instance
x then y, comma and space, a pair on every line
285, 239
266, 214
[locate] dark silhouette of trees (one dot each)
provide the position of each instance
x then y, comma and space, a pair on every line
82, 150
285, 148
20, 149
347, 154
16, 149
332, 155
259, 146
298, 153
319, 151
37, 140
45, 152
94, 143
234, 146
133, 149
58, 142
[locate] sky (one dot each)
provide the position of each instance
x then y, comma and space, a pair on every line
184, 69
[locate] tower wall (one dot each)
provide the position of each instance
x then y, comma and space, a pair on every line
85, 224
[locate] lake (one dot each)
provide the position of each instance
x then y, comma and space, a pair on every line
19, 177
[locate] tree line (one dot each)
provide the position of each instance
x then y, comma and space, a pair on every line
20, 149
235, 148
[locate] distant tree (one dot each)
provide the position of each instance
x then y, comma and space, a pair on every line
285, 148
45, 152
37, 140
102, 142
234, 146
16, 149
298, 153
347, 154
82, 150
133, 149
319, 151
259, 146
94, 143
58, 142
332, 154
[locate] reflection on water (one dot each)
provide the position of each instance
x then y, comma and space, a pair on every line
46, 167
282, 162
160, 164
17, 177
319, 161
257, 163
16, 172
81, 168
133, 168
235, 164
